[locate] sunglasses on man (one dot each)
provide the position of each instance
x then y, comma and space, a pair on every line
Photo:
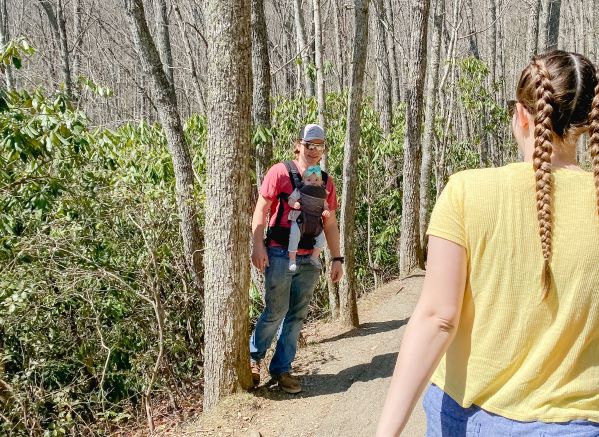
314, 146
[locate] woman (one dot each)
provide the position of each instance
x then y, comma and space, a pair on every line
507, 326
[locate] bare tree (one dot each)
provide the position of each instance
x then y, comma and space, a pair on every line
227, 193
410, 253
347, 290
166, 103
532, 36
339, 52
192, 64
383, 89
59, 30
390, 33
4, 38
303, 48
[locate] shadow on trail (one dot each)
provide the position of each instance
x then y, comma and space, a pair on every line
368, 329
316, 384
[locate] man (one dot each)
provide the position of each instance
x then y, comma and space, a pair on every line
288, 293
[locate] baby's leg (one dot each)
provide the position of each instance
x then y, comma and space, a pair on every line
294, 238
320, 242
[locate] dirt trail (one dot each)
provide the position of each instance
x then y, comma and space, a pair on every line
344, 375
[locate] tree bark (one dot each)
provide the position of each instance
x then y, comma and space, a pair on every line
410, 255
549, 25
166, 103
163, 38
383, 83
227, 192
429, 120
303, 48
347, 292
262, 87
4, 38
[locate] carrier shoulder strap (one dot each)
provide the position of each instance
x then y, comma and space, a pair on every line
294, 176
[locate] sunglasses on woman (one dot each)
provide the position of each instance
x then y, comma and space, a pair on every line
314, 146
511, 107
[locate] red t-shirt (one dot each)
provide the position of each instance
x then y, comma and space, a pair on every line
277, 181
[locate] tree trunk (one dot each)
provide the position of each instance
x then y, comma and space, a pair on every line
166, 103
318, 52
320, 97
390, 32
164, 39
347, 293
227, 192
58, 26
4, 38
549, 25
77, 35
429, 120
262, 86
410, 255
472, 34
303, 48
383, 83
532, 36
491, 136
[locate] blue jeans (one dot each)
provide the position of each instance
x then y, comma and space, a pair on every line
287, 297
446, 418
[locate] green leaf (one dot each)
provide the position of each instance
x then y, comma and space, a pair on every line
16, 62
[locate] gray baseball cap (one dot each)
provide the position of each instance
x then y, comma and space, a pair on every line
312, 132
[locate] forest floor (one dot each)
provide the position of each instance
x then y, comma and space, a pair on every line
344, 375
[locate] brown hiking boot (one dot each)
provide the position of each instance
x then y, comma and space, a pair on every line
255, 365
289, 384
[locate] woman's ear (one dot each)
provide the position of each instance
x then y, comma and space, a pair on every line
522, 115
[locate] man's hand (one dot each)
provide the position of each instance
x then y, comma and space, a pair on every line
326, 213
260, 257
336, 271
296, 205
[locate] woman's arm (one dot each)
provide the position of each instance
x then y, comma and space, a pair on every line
428, 334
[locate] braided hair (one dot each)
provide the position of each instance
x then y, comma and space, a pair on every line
561, 90
594, 135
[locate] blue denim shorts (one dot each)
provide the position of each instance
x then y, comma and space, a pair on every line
446, 418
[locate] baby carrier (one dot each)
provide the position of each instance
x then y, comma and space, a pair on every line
310, 219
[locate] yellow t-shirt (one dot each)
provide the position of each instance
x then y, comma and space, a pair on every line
513, 354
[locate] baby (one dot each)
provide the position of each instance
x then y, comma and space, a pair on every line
307, 222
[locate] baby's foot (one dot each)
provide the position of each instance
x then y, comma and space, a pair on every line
292, 266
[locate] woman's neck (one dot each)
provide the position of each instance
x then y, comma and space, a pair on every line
563, 154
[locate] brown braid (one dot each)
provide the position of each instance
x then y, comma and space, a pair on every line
542, 164
594, 135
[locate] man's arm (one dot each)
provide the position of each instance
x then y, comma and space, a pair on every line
259, 255
331, 231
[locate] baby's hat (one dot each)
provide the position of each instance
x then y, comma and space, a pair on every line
313, 169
